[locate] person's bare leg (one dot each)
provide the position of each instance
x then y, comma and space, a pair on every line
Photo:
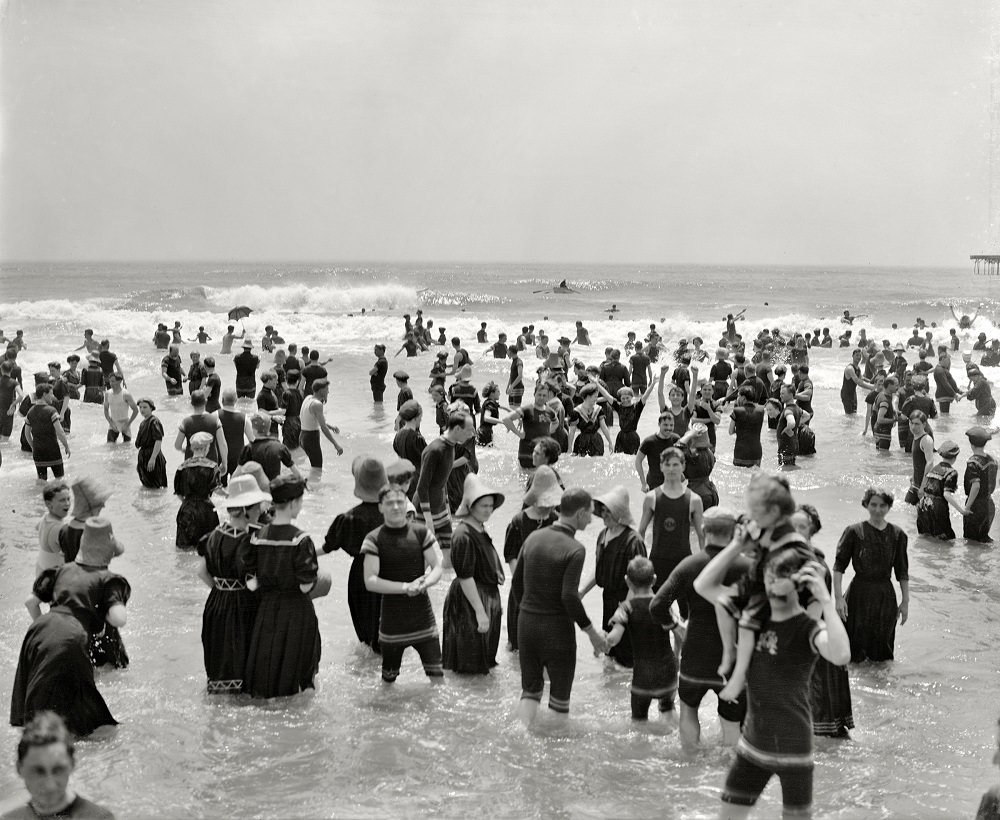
690, 727
730, 732
744, 654
727, 631
730, 811
527, 710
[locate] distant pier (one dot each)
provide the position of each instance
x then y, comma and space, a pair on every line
986, 264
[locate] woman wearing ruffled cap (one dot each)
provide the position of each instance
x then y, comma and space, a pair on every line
472, 612
347, 533
231, 608
282, 567
540, 501
54, 670
617, 544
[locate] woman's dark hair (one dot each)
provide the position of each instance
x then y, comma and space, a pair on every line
550, 448
815, 525
880, 492
44, 729
919, 415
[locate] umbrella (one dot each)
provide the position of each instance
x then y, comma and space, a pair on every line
239, 312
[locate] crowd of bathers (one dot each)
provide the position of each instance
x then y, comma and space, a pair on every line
753, 614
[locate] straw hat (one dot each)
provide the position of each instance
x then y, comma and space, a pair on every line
465, 373
98, 545
245, 492
899, 348
615, 501
247, 344
545, 490
474, 489
369, 478
87, 496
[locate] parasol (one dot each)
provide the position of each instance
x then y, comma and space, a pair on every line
239, 312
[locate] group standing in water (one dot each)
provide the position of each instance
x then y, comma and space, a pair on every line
769, 628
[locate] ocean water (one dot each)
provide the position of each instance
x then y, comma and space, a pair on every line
354, 748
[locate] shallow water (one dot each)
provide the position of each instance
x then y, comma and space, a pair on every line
356, 748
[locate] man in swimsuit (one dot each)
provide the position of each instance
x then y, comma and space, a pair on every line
117, 405
228, 338
436, 463
314, 422
546, 586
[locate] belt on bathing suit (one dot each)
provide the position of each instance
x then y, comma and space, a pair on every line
229, 584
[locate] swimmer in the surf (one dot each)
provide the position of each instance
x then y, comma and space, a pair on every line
613, 308
582, 334
964, 321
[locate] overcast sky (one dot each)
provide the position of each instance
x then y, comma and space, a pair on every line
785, 131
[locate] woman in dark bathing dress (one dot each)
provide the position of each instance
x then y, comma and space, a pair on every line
231, 608
54, 670
617, 544
151, 464
347, 533
876, 548
472, 611
284, 652
194, 481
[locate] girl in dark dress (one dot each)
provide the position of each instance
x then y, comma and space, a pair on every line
540, 501
939, 488
472, 612
347, 533
489, 414
746, 422
195, 481
629, 408
231, 608
587, 425
284, 652
830, 688
151, 466
876, 548
54, 670
617, 544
